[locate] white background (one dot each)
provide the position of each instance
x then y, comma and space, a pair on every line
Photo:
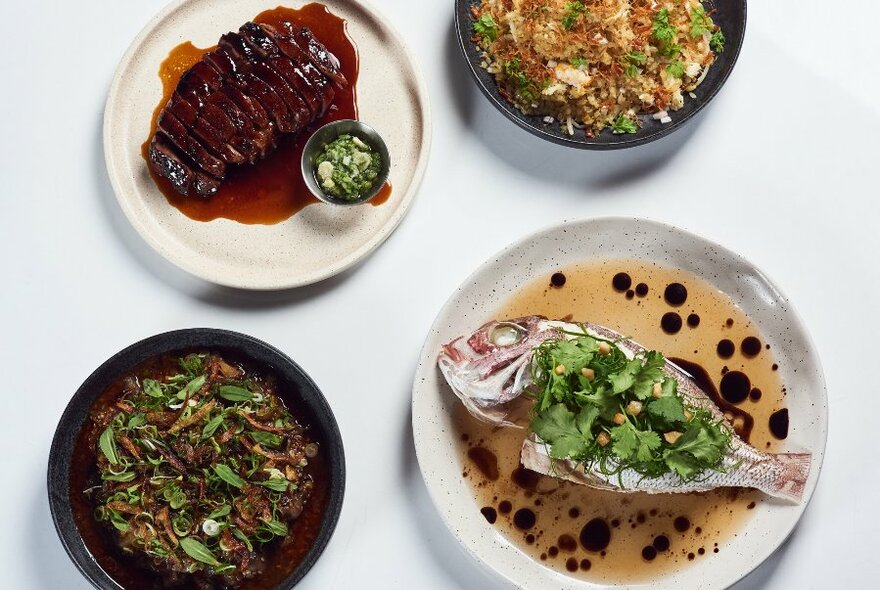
781, 168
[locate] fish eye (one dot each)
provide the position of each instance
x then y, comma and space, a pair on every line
505, 335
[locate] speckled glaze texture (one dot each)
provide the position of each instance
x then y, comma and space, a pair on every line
296, 384
729, 15
482, 294
317, 242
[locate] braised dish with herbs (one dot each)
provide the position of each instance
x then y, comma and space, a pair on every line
594, 64
202, 471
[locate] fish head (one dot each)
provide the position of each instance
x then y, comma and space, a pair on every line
490, 369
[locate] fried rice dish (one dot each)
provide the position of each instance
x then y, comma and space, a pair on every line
591, 64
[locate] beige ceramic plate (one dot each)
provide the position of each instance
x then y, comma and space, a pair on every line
541, 254
320, 240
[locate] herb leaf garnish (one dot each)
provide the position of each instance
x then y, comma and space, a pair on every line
595, 406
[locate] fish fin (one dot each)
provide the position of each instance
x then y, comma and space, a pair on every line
795, 470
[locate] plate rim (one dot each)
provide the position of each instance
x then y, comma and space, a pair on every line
425, 361
623, 141
147, 231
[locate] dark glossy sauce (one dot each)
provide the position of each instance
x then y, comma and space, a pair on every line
725, 348
595, 535
485, 461
779, 423
281, 558
641, 289
273, 189
750, 346
621, 281
675, 294
558, 279
671, 322
693, 320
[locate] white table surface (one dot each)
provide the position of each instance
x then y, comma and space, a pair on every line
781, 168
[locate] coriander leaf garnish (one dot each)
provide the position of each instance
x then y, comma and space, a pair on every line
675, 68
486, 27
623, 124
594, 406
573, 13
701, 24
665, 34
716, 42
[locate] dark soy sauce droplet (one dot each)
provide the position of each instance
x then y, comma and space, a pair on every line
525, 478
725, 348
755, 394
641, 289
691, 556
530, 539
649, 553
586, 564
558, 279
641, 517
524, 519
486, 462
574, 512
505, 507
750, 346
553, 551
671, 322
779, 423
630, 294
571, 564
490, 514
735, 387
681, 524
775, 367
675, 294
701, 550
693, 320
567, 543
729, 322
621, 281
661, 543
698, 530
751, 505
595, 535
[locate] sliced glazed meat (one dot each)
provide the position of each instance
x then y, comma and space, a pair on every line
231, 107
255, 87
184, 177
322, 59
240, 50
313, 90
192, 147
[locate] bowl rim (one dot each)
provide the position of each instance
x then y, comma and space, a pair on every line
621, 141
76, 413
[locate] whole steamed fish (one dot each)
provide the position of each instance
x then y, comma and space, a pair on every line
605, 412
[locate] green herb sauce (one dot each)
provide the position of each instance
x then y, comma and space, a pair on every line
347, 168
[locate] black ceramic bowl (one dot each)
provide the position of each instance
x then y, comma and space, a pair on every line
295, 387
729, 15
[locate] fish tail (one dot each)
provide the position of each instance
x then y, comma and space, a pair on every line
792, 480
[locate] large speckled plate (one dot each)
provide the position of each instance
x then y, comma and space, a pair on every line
319, 241
541, 254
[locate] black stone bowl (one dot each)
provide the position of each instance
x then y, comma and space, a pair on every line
729, 15
296, 388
